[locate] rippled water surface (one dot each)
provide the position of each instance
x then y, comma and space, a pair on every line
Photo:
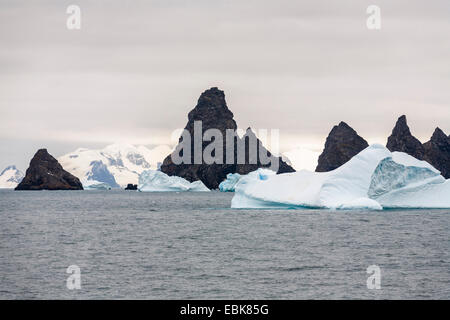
193, 246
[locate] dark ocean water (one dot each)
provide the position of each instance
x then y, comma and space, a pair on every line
193, 246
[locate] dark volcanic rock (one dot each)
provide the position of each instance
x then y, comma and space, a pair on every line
253, 164
402, 140
45, 173
131, 186
213, 113
341, 145
437, 152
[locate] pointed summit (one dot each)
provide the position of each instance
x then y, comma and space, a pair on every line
211, 107
45, 173
440, 138
211, 112
402, 140
437, 152
255, 162
401, 126
342, 144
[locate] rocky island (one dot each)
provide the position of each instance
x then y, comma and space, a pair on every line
213, 112
45, 173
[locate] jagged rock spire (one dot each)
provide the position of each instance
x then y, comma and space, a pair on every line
437, 152
341, 145
402, 140
213, 112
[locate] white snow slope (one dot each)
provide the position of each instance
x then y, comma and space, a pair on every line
124, 162
375, 179
157, 181
10, 177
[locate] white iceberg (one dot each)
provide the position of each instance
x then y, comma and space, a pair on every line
405, 182
95, 185
375, 178
157, 181
230, 182
232, 179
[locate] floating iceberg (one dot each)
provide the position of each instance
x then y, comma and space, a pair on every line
95, 185
375, 178
232, 180
157, 181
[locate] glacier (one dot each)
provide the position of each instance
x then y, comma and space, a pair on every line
373, 179
116, 165
157, 181
10, 177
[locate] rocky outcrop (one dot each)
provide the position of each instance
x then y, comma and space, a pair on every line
402, 140
131, 186
45, 173
250, 164
342, 144
213, 113
436, 151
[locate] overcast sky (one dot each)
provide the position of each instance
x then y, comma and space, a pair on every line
136, 68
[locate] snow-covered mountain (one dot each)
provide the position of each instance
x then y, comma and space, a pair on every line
10, 177
117, 164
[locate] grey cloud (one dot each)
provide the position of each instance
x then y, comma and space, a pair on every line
136, 68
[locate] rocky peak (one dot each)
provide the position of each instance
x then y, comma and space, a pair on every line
213, 112
342, 144
401, 127
402, 140
45, 172
439, 138
437, 152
